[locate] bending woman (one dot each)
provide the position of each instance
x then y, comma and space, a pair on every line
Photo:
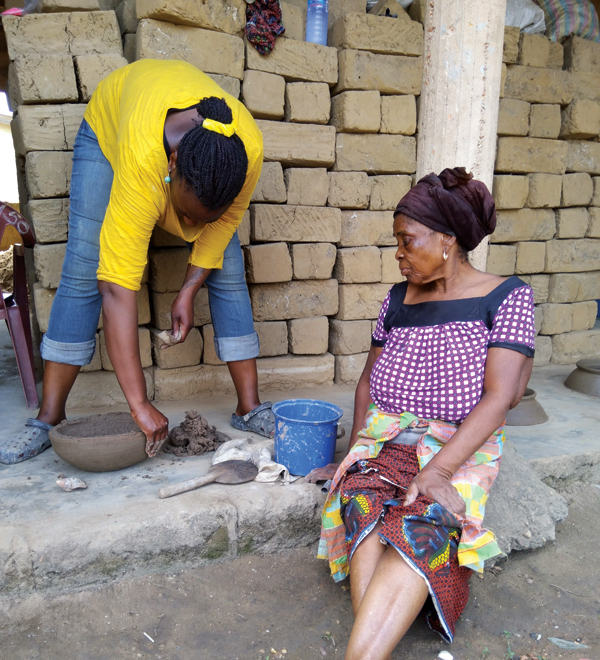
451, 353
160, 144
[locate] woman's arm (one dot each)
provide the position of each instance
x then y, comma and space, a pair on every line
182, 309
119, 310
502, 386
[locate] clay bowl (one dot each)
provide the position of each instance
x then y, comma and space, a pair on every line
586, 378
528, 412
100, 443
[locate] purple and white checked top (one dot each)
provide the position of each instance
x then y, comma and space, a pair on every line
434, 353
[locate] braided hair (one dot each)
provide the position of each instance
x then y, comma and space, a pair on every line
213, 165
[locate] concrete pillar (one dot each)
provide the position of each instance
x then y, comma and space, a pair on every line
462, 70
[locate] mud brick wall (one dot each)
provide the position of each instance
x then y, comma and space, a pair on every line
339, 127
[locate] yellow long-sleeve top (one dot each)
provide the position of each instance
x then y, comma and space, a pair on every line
127, 113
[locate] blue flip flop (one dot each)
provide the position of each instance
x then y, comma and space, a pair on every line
260, 420
29, 443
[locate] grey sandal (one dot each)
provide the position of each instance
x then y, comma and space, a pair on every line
260, 420
29, 443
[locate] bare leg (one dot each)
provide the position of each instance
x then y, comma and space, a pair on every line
363, 565
58, 381
245, 380
393, 599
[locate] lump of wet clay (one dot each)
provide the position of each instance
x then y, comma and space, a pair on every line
194, 436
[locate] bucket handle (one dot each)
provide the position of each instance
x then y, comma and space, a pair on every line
341, 431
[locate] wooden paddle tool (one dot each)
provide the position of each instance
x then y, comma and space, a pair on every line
227, 472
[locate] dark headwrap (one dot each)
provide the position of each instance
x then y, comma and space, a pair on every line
452, 203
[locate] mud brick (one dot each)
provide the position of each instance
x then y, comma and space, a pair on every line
49, 218
510, 52
556, 56
243, 230
267, 263
296, 60
307, 103
308, 336
304, 145
185, 354
356, 112
209, 51
48, 6
302, 224
291, 300
101, 388
46, 127
227, 83
390, 271
270, 187
388, 74
572, 222
378, 34
582, 55
531, 257
584, 315
145, 349
536, 85
338, 8
523, 154
399, 114
589, 285
48, 261
349, 190
161, 238
572, 256
367, 228
583, 157
96, 363
580, 120
263, 94
586, 85
577, 189
594, 226
42, 78
358, 264
539, 284
556, 319
349, 337
513, 117
143, 305
501, 259
168, 268
544, 190
48, 173
564, 287
375, 154
190, 382
77, 33
544, 121
209, 14
290, 372
91, 69
534, 50
313, 261
294, 20
543, 351
307, 186
161, 309
524, 225
273, 338
349, 368
42, 302
361, 301
510, 191
387, 190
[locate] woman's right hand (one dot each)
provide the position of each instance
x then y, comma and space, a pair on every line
320, 474
154, 424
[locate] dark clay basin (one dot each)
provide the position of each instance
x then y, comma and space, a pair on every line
586, 378
100, 443
528, 412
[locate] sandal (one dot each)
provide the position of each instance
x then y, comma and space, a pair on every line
29, 443
260, 420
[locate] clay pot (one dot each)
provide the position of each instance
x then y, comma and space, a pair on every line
586, 378
100, 443
528, 412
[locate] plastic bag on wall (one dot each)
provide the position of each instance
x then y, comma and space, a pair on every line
29, 6
525, 14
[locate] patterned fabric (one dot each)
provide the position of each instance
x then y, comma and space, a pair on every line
434, 353
263, 24
473, 482
566, 17
424, 533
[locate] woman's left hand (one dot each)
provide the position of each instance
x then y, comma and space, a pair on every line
182, 315
320, 474
436, 486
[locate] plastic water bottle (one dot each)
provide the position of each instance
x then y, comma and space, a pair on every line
317, 14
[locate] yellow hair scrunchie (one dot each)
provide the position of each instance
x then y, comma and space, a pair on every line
224, 129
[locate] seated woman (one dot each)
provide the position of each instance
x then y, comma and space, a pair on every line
451, 354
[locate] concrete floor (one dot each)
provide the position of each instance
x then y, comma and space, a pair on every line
49, 537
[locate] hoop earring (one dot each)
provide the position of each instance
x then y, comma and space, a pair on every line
445, 255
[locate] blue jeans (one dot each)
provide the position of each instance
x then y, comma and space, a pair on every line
71, 336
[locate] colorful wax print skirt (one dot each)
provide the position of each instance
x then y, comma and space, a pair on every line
370, 485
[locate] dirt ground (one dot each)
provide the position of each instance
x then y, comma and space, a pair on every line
254, 607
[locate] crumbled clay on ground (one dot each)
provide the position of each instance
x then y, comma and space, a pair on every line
194, 436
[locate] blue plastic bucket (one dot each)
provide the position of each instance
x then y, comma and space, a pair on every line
305, 434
